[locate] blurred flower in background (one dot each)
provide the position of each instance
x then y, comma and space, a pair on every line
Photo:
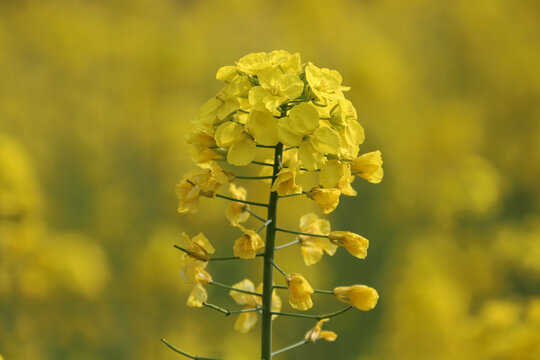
97, 97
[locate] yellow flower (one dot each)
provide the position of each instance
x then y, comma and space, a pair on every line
328, 199
199, 247
226, 73
369, 166
361, 297
246, 321
236, 211
200, 182
246, 246
192, 271
197, 296
254, 63
317, 333
200, 150
299, 292
241, 146
355, 244
263, 127
275, 88
336, 174
324, 83
304, 129
226, 102
285, 182
313, 247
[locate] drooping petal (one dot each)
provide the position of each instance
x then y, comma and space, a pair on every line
245, 322
197, 296
243, 298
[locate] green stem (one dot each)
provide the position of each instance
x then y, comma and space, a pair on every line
318, 291
268, 274
234, 289
291, 195
267, 222
241, 201
254, 215
230, 312
262, 163
294, 242
280, 270
196, 357
316, 317
215, 258
301, 233
290, 347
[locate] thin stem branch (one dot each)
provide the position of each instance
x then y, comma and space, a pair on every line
290, 347
230, 312
266, 223
255, 215
195, 357
319, 291
266, 146
291, 195
316, 317
280, 270
301, 233
216, 258
242, 201
234, 289
262, 163
294, 242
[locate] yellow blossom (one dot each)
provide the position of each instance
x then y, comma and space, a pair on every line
355, 244
285, 182
317, 333
236, 211
246, 246
313, 137
328, 199
369, 166
324, 83
313, 247
241, 146
200, 150
200, 182
197, 296
275, 88
337, 174
198, 247
192, 271
263, 127
299, 292
361, 297
246, 321
226, 73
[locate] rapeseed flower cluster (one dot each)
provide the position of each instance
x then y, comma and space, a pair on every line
273, 101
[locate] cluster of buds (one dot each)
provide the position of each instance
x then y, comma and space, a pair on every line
287, 119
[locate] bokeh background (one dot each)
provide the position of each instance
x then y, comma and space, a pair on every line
96, 97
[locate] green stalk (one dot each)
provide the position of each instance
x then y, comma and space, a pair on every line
268, 276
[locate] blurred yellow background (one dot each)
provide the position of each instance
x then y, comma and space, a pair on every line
96, 97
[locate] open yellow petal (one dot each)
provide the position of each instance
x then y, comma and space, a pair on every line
263, 127
228, 133
242, 153
299, 292
369, 167
245, 322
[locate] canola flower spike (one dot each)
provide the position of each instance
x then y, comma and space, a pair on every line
272, 102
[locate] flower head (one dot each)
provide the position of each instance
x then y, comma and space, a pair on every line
313, 247
237, 212
299, 292
247, 320
246, 246
361, 297
369, 167
355, 244
317, 333
328, 199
